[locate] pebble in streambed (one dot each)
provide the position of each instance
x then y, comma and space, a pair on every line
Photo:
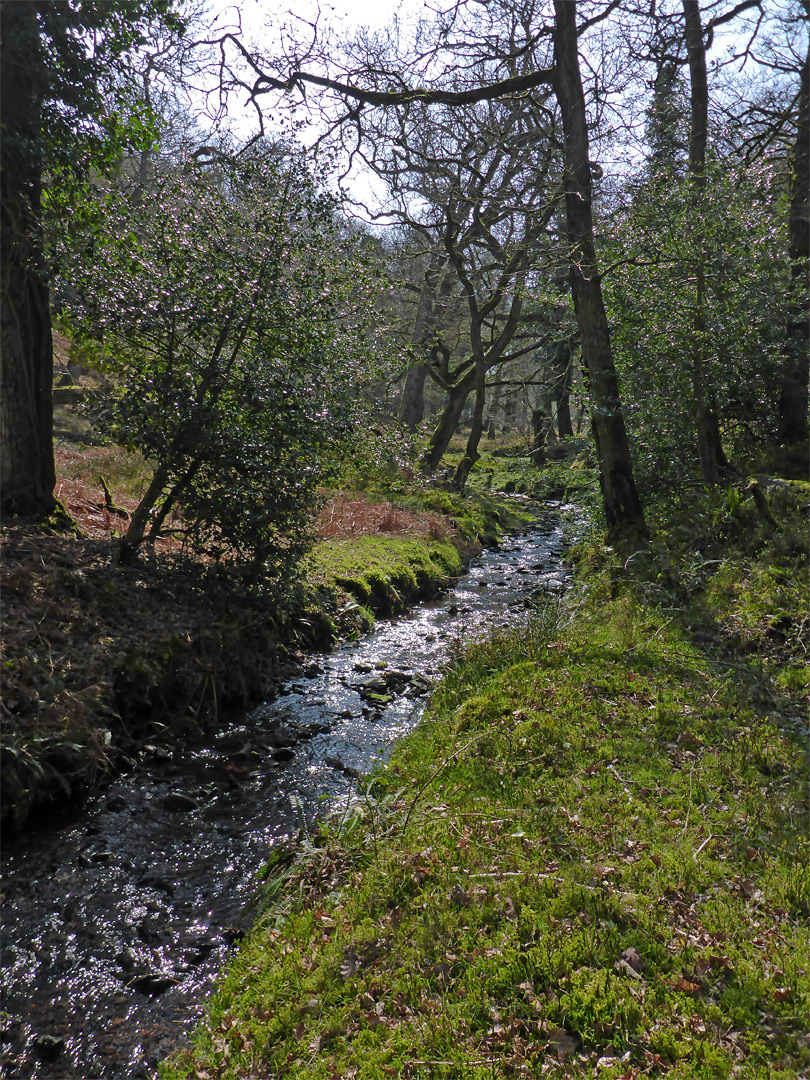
117, 922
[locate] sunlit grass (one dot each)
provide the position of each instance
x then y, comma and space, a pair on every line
592, 855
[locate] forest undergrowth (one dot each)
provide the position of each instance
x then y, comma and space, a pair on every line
591, 859
99, 659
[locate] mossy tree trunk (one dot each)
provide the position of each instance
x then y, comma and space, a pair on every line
713, 462
623, 510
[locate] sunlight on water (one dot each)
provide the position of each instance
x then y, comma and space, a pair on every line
116, 924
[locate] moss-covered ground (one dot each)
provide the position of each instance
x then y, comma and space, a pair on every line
591, 860
98, 658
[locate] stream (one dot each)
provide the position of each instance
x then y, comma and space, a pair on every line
117, 921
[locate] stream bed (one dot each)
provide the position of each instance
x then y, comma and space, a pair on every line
117, 921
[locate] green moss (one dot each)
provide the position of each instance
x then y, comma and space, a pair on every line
594, 849
384, 574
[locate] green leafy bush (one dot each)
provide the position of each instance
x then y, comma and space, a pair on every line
235, 317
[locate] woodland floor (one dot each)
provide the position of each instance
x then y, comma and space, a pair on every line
592, 859
96, 656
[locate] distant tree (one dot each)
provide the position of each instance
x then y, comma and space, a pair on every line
62, 64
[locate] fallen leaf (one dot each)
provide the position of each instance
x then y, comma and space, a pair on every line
459, 896
633, 958
350, 965
562, 1043
782, 993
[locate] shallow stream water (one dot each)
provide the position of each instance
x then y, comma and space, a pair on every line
116, 922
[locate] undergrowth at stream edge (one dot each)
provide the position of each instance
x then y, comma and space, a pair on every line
590, 860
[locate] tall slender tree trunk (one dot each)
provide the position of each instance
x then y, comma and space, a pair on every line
542, 428
412, 400
623, 511
713, 462
448, 421
471, 454
27, 476
793, 399
562, 370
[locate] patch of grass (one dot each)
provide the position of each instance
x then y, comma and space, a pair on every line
125, 471
591, 859
507, 467
384, 574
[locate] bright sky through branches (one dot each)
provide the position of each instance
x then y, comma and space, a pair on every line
261, 21
372, 14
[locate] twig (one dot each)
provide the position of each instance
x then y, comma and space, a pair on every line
703, 845
433, 776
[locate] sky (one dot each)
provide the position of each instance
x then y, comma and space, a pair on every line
373, 14
254, 16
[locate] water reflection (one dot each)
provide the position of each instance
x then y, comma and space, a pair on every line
116, 924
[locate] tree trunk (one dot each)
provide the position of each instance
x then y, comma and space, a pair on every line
448, 421
623, 511
27, 476
793, 399
562, 366
133, 538
713, 462
471, 454
412, 401
538, 450
542, 426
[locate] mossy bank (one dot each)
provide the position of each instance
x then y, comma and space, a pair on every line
99, 659
590, 859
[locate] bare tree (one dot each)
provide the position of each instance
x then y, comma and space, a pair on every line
360, 87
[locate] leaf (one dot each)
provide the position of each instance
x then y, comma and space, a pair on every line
562, 1043
633, 958
459, 896
350, 965
782, 993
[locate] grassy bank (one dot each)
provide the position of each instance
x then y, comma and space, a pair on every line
591, 859
100, 659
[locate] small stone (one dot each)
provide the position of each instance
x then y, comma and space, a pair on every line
126, 959
179, 802
152, 983
283, 736
397, 678
48, 1047
284, 753
375, 685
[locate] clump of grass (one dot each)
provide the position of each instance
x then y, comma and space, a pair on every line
592, 858
125, 471
384, 573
